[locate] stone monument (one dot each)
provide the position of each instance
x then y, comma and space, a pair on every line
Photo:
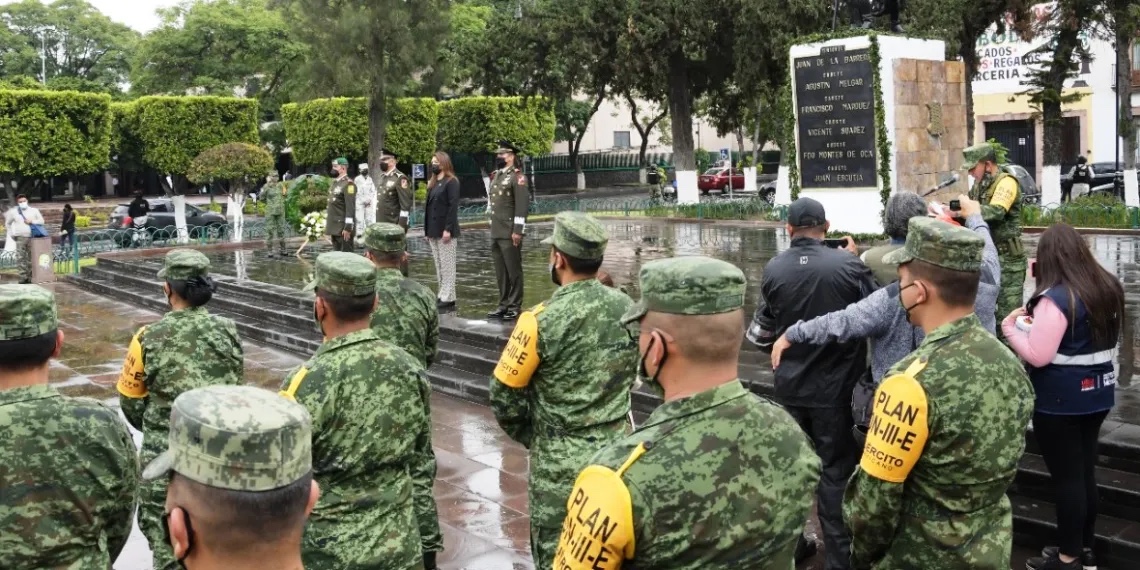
874, 114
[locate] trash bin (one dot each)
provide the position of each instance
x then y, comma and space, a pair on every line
653, 177
43, 268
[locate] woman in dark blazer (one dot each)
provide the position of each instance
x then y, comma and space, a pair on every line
441, 225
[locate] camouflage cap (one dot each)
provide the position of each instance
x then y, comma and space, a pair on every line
385, 238
578, 235
972, 155
343, 273
939, 243
692, 285
183, 263
240, 438
26, 311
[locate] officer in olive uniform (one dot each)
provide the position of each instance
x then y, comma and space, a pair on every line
1000, 196
510, 199
342, 207
942, 448
394, 192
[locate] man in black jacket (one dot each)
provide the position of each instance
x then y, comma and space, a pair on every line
814, 383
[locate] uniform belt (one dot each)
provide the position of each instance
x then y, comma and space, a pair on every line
1011, 246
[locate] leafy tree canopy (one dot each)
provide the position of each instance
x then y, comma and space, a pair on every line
237, 165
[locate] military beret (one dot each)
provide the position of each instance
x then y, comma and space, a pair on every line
939, 243
690, 285
343, 273
972, 155
342, 161
386, 153
26, 311
578, 235
384, 237
184, 263
240, 438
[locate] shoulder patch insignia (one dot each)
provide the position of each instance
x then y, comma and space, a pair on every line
403, 182
521, 179
351, 189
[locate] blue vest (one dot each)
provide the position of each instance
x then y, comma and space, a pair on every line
1081, 379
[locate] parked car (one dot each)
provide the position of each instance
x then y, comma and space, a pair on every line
717, 178
161, 218
1030, 193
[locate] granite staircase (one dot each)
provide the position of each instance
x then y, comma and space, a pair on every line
281, 317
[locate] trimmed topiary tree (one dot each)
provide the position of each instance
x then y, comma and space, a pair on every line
321, 130
475, 125
174, 130
51, 133
237, 167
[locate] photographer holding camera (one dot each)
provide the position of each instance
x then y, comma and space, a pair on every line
811, 278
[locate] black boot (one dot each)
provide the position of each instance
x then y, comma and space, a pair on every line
429, 561
497, 313
804, 549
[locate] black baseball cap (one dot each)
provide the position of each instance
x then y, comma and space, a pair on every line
806, 213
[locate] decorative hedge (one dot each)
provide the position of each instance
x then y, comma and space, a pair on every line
54, 133
174, 130
476, 124
238, 165
323, 129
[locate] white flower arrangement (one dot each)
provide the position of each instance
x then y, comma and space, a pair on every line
313, 225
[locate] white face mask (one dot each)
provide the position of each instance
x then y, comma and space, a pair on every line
22, 205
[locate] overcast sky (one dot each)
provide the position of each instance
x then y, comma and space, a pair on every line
138, 14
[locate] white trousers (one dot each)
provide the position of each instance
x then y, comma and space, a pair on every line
444, 256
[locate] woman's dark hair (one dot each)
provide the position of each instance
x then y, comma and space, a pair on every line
446, 169
67, 207
197, 291
1064, 260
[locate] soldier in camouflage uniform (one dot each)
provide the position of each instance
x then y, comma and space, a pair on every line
1000, 196
407, 317
509, 202
69, 470
406, 313
942, 448
717, 477
188, 348
394, 193
562, 385
273, 194
369, 428
232, 447
341, 214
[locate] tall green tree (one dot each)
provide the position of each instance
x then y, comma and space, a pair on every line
459, 67
74, 39
960, 23
219, 47
1124, 23
1060, 58
384, 46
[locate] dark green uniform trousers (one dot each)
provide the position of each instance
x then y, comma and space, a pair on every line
508, 272
341, 244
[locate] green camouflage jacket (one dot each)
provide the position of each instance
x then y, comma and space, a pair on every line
943, 447
406, 315
68, 482
274, 197
369, 429
721, 479
1000, 197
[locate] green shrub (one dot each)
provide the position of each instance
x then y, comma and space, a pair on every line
421, 192
53, 133
215, 207
238, 165
476, 124
324, 129
306, 194
175, 130
82, 221
1092, 211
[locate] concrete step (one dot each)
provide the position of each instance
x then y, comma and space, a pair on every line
1117, 540
1119, 490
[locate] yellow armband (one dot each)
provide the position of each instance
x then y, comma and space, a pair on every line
1005, 194
598, 531
898, 430
295, 383
520, 358
132, 379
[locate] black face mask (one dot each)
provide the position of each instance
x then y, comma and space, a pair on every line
316, 319
435, 169
385, 166
189, 535
643, 376
335, 173
500, 163
903, 303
